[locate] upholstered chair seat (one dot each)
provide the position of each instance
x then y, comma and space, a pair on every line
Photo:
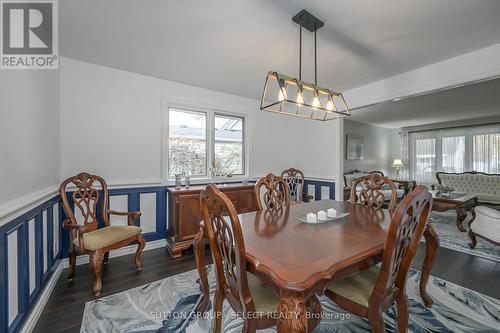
372, 291
107, 236
264, 299
486, 225
357, 288
87, 195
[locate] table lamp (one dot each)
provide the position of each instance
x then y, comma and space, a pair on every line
397, 164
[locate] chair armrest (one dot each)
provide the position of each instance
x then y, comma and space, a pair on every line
489, 212
130, 215
75, 231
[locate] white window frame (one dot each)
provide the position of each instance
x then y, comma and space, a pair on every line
210, 111
234, 116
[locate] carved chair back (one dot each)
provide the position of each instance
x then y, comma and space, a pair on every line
367, 190
227, 246
272, 192
86, 196
407, 226
295, 180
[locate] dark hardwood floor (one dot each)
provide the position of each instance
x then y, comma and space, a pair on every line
64, 310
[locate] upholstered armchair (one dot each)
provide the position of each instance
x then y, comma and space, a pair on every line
90, 198
486, 225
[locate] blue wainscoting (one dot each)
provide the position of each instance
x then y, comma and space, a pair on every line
31, 243
29, 248
320, 189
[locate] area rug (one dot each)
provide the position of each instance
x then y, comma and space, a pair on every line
450, 237
169, 306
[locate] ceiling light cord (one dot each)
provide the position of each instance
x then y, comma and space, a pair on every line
300, 52
315, 62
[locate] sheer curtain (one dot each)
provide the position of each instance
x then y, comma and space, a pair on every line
423, 156
404, 148
486, 149
453, 150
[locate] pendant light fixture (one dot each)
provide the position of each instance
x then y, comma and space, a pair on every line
290, 96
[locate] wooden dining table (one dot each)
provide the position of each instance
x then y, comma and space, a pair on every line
298, 260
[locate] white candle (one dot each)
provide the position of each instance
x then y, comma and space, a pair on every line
331, 212
322, 215
311, 217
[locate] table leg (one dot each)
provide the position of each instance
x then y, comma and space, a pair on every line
315, 311
431, 248
461, 215
199, 255
292, 314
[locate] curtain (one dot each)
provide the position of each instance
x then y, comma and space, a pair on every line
453, 150
486, 150
404, 148
453, 154
423, 148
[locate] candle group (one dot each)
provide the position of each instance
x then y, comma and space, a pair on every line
321, 215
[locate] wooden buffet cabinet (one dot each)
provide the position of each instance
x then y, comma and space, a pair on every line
184, 212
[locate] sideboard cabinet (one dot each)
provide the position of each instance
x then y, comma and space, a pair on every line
184, 212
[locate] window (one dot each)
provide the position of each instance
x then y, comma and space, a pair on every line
453, 154
460, 149
187, 143
486, 155
205, 143
228, 145
425, 159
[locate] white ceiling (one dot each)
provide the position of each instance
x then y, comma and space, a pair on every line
474, 101
229, 45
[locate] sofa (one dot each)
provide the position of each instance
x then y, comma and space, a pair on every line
486, 186
349, 177
486, 225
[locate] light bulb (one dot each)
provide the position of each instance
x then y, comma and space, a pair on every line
282, 95
329, 106
315, 102
300, 99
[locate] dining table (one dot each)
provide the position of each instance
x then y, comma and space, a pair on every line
298, 260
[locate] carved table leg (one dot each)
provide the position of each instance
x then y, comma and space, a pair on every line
315, 311
461, 215
292, 314
431, 248
199, 255
472, 235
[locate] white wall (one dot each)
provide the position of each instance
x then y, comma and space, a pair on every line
111, 125
380, 147
29, 132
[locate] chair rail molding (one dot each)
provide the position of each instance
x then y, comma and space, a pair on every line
18, 206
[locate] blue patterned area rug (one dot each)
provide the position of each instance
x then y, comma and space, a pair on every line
450, 237
168, 305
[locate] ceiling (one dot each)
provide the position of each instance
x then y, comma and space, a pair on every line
229, 46
474, 101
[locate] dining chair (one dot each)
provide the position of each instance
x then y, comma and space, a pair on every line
90, 199
271, 192
240, 288
373, 190
374, 290
295, 180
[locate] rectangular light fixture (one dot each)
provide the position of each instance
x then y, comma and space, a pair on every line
286, 95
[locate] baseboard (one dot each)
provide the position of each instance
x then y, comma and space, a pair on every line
84, 259
42, 300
